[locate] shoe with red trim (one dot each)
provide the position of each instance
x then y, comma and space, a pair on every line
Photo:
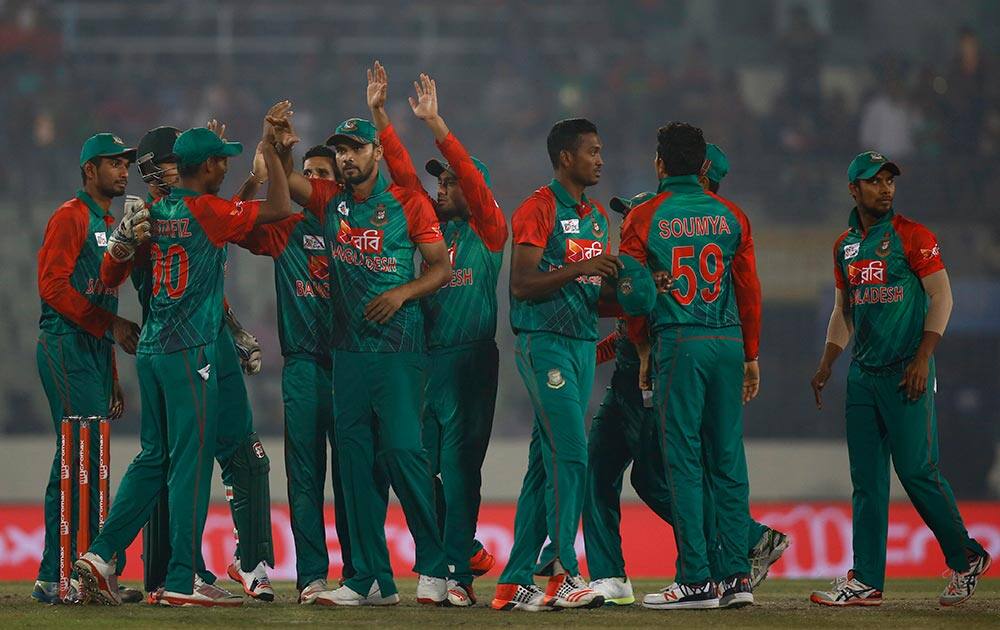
461, 595
203, 594
527, 597
98, 581
848, 591
255, 583
570, 591
481, 562
961, 586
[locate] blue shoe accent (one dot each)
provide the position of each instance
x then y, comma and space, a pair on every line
45, 592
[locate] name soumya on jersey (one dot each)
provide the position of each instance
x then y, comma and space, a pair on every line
880, 271
705, 243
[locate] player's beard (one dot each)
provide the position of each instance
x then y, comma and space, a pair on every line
361, 176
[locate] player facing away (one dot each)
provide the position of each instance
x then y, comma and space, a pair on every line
237, 350
302, 284
705, 334
79, 325
461, 322
178, 365
558, 271
372, 230
893, 293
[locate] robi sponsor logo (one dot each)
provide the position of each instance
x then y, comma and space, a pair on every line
865, 272
579, 249
367, 240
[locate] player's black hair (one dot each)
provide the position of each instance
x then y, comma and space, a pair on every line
96, 161
565, 136
681, 147
320, 150
188, 170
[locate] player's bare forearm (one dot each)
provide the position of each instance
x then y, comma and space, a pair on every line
928, 343
830, 353
438, 271
527, 282
381, 118
277, 205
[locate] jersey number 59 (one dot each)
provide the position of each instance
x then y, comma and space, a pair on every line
710, 269
170, 270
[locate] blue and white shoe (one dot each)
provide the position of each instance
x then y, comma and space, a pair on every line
48, 592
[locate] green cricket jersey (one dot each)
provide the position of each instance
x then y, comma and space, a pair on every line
188, 253
74, 299
704, 242
567, 232
372, 243
301, 280
880, 272
464, 310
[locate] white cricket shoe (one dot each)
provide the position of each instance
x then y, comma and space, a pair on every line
255, 583
98, 581
765, 553
308, 594
848, 591
203, 594
461, 595
617, 591
432, 590
961, 586
684, 596
345, 596
570, 591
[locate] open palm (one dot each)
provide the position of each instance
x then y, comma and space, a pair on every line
425, 106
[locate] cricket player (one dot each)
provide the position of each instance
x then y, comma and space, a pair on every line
706, 333
79, 325
372, 230
178, 367
461, 321
893, 291
158, 167
302, 283
558, 270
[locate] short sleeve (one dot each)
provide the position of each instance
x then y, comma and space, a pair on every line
922, 251
422, 223
533, 221
223, 220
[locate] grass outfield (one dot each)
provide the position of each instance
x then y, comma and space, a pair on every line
780, 603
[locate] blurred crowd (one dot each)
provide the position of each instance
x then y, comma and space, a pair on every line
791, 90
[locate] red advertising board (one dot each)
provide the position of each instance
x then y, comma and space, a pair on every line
821, 540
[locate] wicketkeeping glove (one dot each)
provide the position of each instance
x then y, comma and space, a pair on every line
134, 227
246, 345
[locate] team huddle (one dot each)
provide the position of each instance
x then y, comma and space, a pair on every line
390, 371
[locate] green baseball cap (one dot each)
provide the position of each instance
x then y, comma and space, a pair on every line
105, 145
636, 289
196, 145
436, 167
354, 130
866, 165
623, 206
716, 164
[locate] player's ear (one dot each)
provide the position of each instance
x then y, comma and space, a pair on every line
852, 188
377, 151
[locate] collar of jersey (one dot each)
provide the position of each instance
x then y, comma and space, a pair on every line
564, 198
680, 184
381, 185
178, 193
88, 201
855, 221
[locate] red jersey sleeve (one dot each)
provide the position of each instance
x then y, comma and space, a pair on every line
838, 273
487, 218
64, 239
270, 239
920, 246
224, 221
534, 219
323, 190
422, 223
746, 283
637, 329
606, 348
635, 229
609, 309
398, 159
